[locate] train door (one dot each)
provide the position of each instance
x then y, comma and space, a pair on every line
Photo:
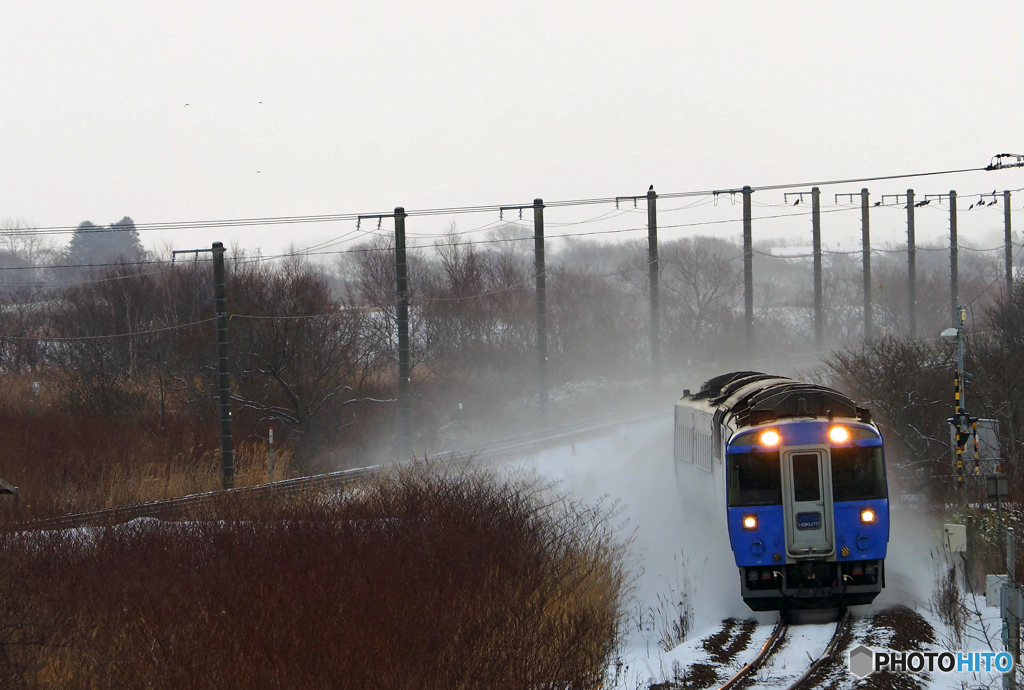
807, 499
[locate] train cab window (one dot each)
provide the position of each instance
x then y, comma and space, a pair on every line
806, 485
858, 474
754, 479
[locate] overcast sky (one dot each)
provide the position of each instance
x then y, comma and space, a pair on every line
177, 111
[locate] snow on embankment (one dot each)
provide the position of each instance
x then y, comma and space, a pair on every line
676, 552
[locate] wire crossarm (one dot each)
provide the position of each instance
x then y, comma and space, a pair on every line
998, 164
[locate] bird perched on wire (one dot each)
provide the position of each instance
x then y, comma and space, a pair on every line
797, 200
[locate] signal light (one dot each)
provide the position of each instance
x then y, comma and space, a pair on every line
750, 522
770, 437
838, 434
867, 516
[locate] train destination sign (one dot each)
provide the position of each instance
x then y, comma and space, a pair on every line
808, 521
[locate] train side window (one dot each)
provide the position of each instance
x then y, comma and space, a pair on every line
858, 474
755, 479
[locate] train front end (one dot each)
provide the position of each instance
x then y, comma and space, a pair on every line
808, 512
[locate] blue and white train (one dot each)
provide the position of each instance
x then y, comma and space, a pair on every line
797, 471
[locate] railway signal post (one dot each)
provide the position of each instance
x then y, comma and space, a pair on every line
961, 421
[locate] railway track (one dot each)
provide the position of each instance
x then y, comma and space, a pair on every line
745, 675
492, 450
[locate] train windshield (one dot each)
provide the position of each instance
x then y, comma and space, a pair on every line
755, 479
858, 474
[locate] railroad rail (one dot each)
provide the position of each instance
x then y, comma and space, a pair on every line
769, 647
333, 480
845, 621
774, 642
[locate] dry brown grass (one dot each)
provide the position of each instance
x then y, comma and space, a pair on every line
72, 461
428, 577
191, 473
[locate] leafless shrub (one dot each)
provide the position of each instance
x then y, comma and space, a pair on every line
432, 576
948, 601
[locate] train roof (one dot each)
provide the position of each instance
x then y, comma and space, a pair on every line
753, 397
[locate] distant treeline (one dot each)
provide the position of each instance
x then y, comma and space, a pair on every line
129, 346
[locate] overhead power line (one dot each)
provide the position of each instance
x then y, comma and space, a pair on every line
47, 339
488, 208
453, 243
320, 249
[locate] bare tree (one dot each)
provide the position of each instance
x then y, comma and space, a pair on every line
701, 290
101, 348
907, 385
300, 356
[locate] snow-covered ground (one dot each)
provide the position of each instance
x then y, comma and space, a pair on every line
677, 557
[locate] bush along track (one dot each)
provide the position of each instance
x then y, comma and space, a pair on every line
428, 576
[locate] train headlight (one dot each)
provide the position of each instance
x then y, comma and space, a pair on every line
838, 434
770, 437
867, 516
750, 522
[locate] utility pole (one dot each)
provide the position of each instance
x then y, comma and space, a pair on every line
227, 453
402, 313
866, 259
954, 273
911, 265
539, 276
220, 309
819, 316
865, 234
402, 319
911, 256
653, 277
819, 320
1008, 244
540, 273
748, 271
